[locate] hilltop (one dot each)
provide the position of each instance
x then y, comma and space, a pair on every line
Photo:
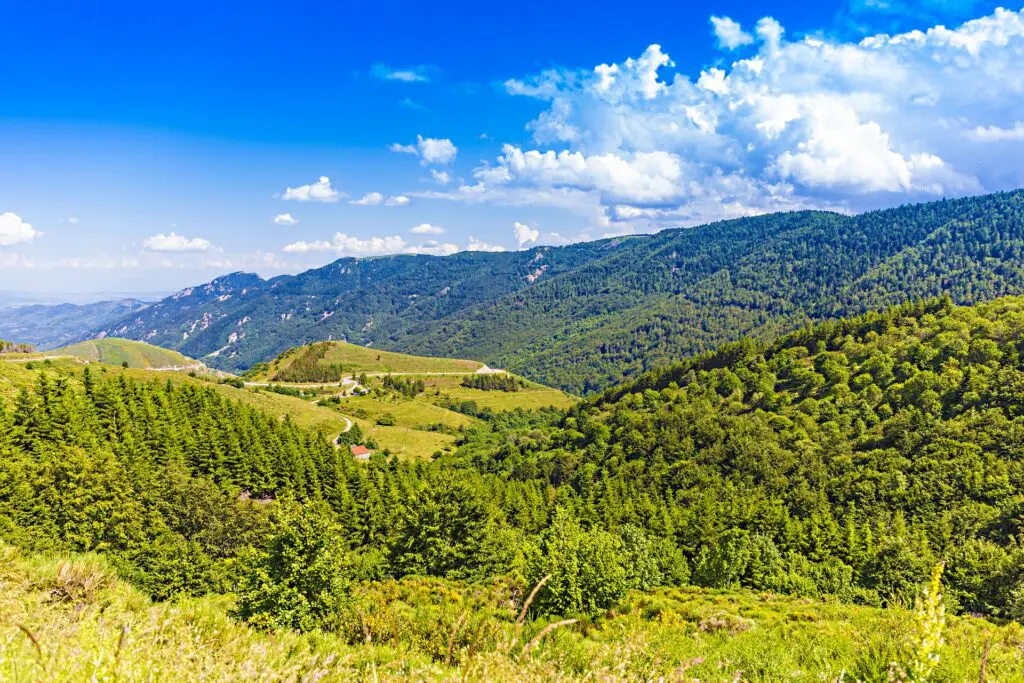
586, 316
136, 354
330, 361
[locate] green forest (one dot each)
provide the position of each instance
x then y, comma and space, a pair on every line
842, 462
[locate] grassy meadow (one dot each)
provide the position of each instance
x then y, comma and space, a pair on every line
531, 397
114, 351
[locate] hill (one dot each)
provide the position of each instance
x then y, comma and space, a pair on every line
330, 361
136, 354
49, 326
586, 316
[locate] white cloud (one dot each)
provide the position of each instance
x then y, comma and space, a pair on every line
430, 150
808, 123
477, 245
369, 199
397, 200
440, 177
729, 33
427, 229
73, 220
14, 230
434, 248
413, 74
524, 234
997, 134
343, 244
320, 191
285, 219
175, 243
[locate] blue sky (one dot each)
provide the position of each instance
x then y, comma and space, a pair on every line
146, 148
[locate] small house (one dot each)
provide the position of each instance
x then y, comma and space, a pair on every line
361, 452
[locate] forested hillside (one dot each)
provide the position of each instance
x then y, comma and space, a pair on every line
845, 461
586, 316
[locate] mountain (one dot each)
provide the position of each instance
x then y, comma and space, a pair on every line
586, 316
49, 326
131, 354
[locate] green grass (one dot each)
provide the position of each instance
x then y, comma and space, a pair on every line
71, 619
359, 359
532, 397
407, 412
114, 351
408, 437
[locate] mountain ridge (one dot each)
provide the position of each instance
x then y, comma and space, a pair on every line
588, 315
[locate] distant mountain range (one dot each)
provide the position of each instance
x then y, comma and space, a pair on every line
49, 326
585, 316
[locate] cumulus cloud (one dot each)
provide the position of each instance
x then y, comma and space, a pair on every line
477, 245
439, 151
440, 177
729, 33
412, 74
285, 219
427, 229
397, 200
369, 199
14, 230
320, 191
808, 123
524, 234
175, 243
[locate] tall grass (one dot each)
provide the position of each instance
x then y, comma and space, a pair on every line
71, 619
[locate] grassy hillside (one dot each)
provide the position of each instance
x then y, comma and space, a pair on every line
71, 619
114, 351
409, 424
586, 316
330, 361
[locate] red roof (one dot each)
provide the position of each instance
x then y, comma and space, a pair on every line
360, 450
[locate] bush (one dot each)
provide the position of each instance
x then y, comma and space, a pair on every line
300, 579
587, 575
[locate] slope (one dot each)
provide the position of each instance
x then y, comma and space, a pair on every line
135, 354
872, 446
